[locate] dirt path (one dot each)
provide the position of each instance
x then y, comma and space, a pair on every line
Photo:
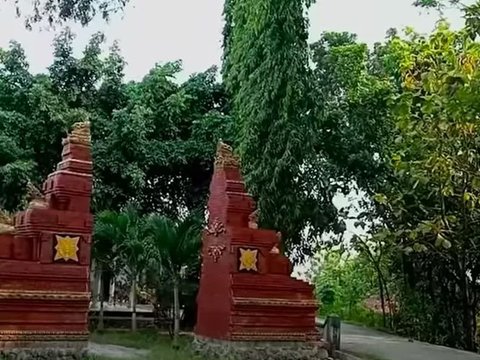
115, 352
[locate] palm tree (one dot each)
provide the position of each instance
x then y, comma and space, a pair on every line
127, 232
104, 251
177, 248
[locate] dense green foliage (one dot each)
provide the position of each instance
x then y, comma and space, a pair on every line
153, 141
431, 207
421, 227
344, 285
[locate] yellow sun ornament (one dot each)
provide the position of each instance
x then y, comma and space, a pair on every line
67, 248
248, 259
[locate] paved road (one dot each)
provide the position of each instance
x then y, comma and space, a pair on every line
364, 341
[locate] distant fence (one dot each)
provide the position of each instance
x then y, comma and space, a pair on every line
120, 319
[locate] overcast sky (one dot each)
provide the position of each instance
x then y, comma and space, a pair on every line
152, 31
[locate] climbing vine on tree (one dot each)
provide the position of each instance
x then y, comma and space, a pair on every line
267, 75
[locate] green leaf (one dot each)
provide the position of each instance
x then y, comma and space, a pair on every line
380, 198
446, 244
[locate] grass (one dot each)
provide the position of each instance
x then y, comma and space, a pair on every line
159, 346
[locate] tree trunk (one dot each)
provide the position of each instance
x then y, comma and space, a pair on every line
389, 302
134, 303
101, 320
94, 284
469, 320
382, 299
470, 329
101, 316
176, 313
111, 295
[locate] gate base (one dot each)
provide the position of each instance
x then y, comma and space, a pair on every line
54, 350
259, 350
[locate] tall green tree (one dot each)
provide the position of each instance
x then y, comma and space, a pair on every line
266, 72
353, 112
169, 146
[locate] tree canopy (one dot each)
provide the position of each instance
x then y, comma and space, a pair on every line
153, 140
57, 12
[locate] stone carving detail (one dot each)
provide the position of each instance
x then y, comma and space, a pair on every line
35, 197
253, 220
67, 248
16, 335
216, 251
225, 156
275, 250
6, 222
81, 133
216, 228
275, 302
248, 260
44, 295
